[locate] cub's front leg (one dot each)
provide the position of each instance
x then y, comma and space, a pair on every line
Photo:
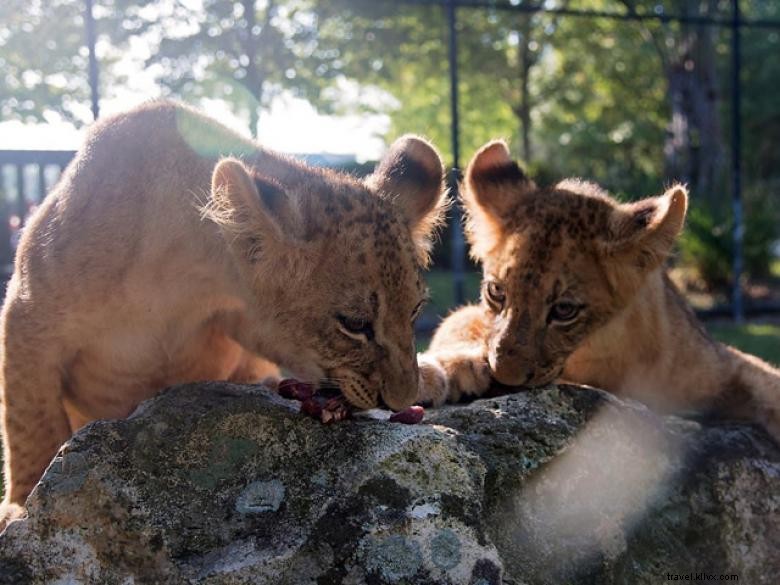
34, 421
455, 364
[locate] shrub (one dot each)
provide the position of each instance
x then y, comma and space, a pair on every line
707, 244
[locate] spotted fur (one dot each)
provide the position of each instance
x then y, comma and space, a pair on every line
157, 261
571, 247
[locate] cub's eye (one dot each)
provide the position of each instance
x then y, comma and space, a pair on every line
495, 293
564, 312
417, 310
355, 327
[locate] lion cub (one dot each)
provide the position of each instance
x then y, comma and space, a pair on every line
574, 289
154, 262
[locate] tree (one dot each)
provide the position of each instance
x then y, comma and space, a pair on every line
605, 112
403, 49
44, 60
694, 145
760, 106
244, 52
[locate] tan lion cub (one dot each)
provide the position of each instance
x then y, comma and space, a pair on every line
152, 264
574, 288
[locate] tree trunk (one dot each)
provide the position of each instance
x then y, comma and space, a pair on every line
253, 80
694, 149
705, 102
677, 147
525, 106
523, 109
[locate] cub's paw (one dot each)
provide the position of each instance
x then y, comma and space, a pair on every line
450, 377
432, 387
10, 512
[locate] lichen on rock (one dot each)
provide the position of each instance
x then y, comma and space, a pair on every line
223, 484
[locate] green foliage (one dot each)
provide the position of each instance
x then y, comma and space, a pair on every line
607, 113
705, 245
442, 292
574, 96
707, 242
403, 51
243, 52
400, 54
761, 108
42, 64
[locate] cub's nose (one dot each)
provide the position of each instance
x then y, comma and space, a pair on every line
398, 390
398, 402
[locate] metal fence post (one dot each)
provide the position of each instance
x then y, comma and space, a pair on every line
458, 246
736, 166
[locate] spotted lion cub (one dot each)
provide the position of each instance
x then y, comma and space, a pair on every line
574, 289
155, 262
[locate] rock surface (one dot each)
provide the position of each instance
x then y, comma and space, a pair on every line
224, 484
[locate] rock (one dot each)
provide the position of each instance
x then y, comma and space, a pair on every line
222, 484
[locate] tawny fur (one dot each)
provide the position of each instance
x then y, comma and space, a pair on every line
634, 335
152, 264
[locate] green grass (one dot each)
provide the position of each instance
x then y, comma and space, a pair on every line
760, 339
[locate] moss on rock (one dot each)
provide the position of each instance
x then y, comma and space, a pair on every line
224, 484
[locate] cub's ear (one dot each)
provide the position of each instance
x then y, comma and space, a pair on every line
411, 174
253, 211
493, 184
644, 232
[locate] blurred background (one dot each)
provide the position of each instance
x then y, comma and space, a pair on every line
632, 94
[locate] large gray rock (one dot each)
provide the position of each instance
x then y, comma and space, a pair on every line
216, 483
